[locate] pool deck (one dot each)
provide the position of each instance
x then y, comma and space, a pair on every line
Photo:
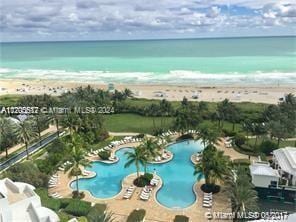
154, 211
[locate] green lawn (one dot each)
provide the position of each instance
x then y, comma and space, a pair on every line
106, 142
136, 123
9, 100
284, 143
144, 124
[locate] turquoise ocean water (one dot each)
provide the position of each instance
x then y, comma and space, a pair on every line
270, 60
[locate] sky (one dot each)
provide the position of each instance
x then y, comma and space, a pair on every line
62, 20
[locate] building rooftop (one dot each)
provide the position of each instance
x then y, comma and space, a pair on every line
286, 158
19, 202
264, 169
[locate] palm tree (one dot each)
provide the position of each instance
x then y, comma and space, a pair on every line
71, 121
7, 133
241, 193
26, 132
41, 121
208, 136
138, 157
151, 149
278, 130
222, 111
77, 159
127, 92
213, 165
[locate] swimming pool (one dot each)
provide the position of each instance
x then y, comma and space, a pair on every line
177, 175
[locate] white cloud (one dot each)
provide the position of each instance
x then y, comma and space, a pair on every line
149, 18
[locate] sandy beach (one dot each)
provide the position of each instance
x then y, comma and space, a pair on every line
235, 93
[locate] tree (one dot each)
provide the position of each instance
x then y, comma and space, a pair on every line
27, 172
26, 132
258, 129
72, 121
241, 193
222, 111
127, 92
137, 157
77, 159
208, 135
247, 126
187, 117
7, 134
278, 130
151, 149
41, 122
213, 165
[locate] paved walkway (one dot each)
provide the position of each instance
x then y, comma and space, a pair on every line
126, 134
31, 149
232, 153
51, 129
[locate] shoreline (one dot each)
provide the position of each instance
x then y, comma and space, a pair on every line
195, 92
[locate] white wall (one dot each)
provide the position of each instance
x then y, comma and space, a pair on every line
262, 181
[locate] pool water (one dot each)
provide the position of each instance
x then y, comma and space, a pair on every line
177, 176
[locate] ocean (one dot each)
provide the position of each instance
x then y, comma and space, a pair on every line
260, 60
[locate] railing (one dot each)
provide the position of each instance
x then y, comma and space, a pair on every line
288, 187
31, 149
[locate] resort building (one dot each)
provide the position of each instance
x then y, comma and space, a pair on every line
19, 202
285, 162
280, 173
263, 175
276, 179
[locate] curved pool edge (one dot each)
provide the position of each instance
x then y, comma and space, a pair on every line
178, 209
157, 189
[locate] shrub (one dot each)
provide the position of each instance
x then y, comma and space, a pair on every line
148, 177
96, 211
141, 135
210, 188
104, 155
241, 162
136, 216
64, 217
239, 139
82, 219
185, 137
27, 172
44, 166
51, 203
78, 208
267, 147
181, 218
77, 195
143, 180
229, 133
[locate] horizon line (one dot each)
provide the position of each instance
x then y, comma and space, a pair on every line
149, 39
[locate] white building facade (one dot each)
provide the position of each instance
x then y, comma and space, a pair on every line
19, 203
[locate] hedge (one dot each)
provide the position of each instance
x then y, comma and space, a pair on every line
136, 216
242, 162
65, 202
78, 208
51, 203
181, 218
97, 209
